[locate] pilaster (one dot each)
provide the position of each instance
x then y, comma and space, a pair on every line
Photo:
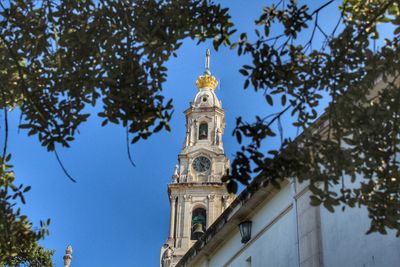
225, 200
179, 220
172, 221
309, 232
186, 221
211, 210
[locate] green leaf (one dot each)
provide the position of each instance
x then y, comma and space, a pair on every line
104, 123
135, 139
329, 207
158, 128
246, 84
269, 100
244, 72
283, 100
27, 189
315, 201
238, 137
232, 187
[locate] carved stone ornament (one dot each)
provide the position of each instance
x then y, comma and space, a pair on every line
68, 256
218, 137
176, 170
166, 259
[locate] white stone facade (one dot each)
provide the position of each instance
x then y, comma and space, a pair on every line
288, 232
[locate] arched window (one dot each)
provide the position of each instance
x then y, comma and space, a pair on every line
203, 131
199, 219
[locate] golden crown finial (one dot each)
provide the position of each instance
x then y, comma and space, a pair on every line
207, 80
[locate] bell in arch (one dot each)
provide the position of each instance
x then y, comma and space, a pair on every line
198, 223
203, 131
198, 230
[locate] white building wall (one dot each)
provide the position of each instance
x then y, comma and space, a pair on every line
345, 243
273, 240
276, 247
316, 238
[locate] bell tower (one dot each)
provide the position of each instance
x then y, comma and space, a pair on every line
197, 194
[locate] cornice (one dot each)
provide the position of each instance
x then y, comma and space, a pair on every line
204, 109
196, 184
187, 152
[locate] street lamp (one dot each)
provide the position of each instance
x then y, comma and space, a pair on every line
245, 231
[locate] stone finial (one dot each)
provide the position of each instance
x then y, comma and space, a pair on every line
167, 253
68, 256
176, 170
175, 176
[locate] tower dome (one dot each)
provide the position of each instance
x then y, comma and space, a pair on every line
206, 84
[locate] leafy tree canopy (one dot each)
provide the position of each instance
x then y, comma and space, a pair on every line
18, 245
355, 143
58, 57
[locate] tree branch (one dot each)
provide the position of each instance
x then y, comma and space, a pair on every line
5, 133
128, 147
62, 166
322, 7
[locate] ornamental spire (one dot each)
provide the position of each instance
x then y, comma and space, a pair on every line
207, 81
208, 72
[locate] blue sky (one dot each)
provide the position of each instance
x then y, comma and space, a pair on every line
116, 214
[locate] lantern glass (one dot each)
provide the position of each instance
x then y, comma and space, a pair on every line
245, 231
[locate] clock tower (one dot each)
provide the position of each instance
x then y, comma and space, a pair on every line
197, 194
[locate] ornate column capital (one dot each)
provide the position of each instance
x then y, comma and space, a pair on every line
210, 197
187, 198
225, 197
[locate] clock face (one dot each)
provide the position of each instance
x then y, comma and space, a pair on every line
201, 164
